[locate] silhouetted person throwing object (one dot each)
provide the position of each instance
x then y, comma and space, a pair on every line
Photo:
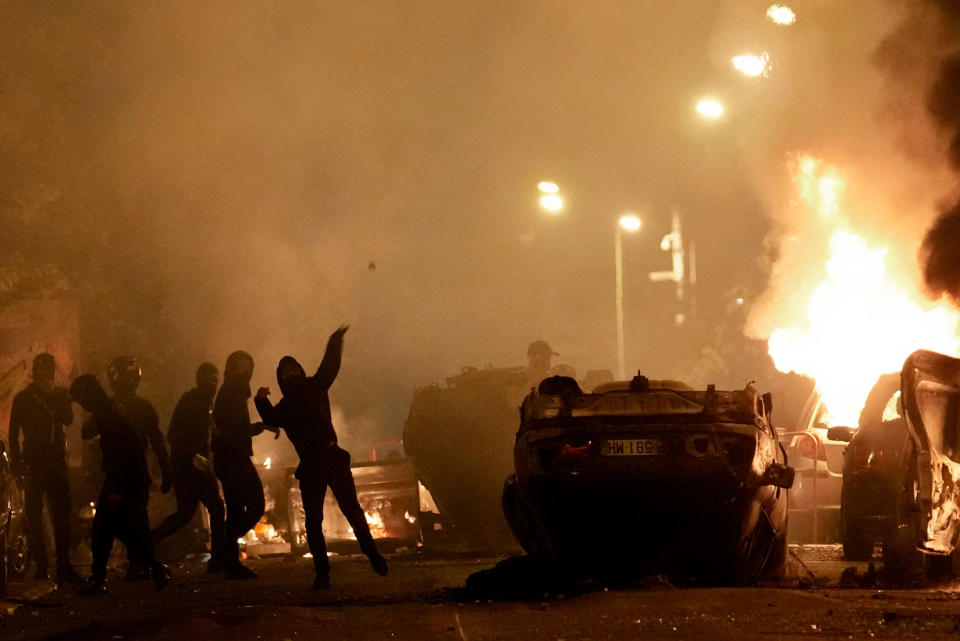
304, 413
122, 505
40, 411
232, 446
193, 478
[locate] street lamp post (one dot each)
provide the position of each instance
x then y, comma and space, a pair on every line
627, 222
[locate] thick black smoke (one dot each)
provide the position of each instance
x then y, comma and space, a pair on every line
940, 253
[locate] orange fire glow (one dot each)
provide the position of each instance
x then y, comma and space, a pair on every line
862, 320
375, 522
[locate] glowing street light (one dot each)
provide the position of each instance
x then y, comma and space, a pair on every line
753, 65
550, 199
551, 203
710, 108
781, 14
630, 223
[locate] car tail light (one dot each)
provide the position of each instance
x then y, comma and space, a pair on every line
868, 458
809, 448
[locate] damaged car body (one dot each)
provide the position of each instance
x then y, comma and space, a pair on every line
650, 477
928, 511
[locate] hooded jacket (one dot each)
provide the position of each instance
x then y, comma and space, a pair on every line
233, 432
304, 410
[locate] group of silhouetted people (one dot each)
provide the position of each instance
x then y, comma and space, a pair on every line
210, 437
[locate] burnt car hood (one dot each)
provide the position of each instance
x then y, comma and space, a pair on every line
931, 400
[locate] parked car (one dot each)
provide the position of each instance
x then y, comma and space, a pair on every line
873, 465
13, 538
642, 477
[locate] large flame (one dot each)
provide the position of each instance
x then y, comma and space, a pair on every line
862, 320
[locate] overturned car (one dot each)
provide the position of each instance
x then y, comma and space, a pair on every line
650, 477
926, 505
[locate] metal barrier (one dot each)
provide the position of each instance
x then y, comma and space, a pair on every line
817, 447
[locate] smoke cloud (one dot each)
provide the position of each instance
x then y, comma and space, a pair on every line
940, 253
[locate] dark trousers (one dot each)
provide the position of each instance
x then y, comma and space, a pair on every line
50, 482
243, 494
121, 516
335, 474
191, 487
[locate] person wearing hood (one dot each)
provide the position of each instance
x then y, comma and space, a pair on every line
304, 414
40, 412
193, 478
232, 446
121, 511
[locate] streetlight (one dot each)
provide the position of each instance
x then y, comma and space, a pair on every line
629, 223
710, 108
550, 199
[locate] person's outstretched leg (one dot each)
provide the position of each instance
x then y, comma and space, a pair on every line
209, 494
340, 479
188, 497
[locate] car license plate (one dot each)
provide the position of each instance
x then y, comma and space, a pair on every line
634, 447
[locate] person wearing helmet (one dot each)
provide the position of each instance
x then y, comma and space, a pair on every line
121, 511
232, 446
539, 355
41, 411
193, 480
124, 375
304, 413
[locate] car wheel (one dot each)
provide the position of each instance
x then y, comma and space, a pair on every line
901, 558
776, 568
857, 543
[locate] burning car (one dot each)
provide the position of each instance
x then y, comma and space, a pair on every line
927, 497
644, 476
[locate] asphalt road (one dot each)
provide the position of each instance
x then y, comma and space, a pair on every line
422, 598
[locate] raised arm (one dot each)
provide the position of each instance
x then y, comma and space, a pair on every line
330, 365
266, 410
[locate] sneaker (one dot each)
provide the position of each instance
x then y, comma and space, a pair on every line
160, 575
379, 564
321, 582
239, 572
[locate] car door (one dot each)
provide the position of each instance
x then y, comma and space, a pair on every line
930, 387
